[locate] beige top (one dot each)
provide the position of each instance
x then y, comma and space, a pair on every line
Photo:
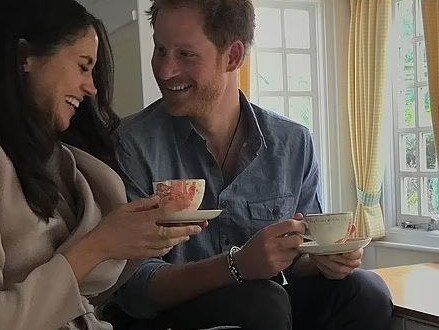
38, 289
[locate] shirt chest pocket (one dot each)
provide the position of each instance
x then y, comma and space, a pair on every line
263, 213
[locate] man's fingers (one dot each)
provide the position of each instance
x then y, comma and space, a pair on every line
342, 260
334, 266
289, 242
285, 227
354, 255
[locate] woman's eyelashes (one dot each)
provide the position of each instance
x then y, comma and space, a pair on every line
84, 68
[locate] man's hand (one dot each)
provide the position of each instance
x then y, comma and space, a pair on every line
338, 266
271, 250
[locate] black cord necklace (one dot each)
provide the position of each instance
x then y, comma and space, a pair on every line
231, 141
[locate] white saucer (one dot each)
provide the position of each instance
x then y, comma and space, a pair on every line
349, 246
189, 216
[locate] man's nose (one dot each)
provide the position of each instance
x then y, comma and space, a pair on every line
168, 67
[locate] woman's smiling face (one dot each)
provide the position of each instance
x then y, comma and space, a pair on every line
59, 82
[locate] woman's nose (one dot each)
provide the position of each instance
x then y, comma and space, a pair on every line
89, 87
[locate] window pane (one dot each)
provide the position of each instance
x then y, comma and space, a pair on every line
428, 152
270, 71
424, 107
406, 62
406, 108
297, 28
422, 61
430, 197
299, 72
419, 25
273, 103
409, 196
408, 145
300, 110
404, 17
268, 28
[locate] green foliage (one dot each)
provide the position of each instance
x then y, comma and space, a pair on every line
409, 109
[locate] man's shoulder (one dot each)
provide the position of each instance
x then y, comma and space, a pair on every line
278, 125
145, 122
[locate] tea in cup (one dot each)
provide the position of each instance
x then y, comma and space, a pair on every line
180, 194
330, 228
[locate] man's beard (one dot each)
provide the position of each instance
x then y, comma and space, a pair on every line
203, 99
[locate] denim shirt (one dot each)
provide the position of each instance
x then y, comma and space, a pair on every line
277, 176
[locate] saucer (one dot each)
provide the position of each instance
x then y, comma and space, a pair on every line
349, 246
189, 216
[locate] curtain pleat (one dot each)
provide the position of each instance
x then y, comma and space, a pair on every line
368, 47
430, 17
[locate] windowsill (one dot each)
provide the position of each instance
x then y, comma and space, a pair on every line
410, 239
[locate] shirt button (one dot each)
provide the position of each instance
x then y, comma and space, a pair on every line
275, 212
226, 241
224, 204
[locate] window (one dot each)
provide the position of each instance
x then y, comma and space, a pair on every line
284, 61
415, 164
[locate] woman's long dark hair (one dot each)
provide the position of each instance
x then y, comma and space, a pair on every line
94, 120
26, 135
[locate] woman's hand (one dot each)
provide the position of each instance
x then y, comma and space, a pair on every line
129, 232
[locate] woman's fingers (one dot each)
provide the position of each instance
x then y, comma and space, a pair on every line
143, 204
166, 243
175, 232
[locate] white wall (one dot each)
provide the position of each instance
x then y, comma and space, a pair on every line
114, 13
128, 92
131, 40
151, 91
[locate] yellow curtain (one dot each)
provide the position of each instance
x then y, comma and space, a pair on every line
430, 16
244, 77
368, 35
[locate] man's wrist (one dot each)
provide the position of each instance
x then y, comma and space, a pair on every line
231, 263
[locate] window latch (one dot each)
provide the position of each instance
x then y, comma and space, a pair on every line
433, 224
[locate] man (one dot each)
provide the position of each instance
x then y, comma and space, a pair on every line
260, 169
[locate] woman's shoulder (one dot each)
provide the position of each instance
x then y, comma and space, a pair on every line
6, 165
106, 185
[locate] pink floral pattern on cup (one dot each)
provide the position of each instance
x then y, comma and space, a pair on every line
180, 194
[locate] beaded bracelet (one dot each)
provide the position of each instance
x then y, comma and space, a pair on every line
232, 266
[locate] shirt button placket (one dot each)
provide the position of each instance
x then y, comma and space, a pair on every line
224, 204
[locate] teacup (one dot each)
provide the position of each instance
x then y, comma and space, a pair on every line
330, 228
180, 194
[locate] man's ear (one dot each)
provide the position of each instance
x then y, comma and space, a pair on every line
24, 50
236, 55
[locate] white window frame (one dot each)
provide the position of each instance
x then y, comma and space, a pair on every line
394, 171
318, 74
397, 237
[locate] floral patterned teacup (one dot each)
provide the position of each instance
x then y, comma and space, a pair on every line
180, 194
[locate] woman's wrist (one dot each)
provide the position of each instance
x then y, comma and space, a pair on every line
84, 255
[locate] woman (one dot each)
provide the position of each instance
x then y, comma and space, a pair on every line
65, 226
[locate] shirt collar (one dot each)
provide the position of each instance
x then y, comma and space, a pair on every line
255, 129
184, 128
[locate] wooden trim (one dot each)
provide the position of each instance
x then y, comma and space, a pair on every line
415, 291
